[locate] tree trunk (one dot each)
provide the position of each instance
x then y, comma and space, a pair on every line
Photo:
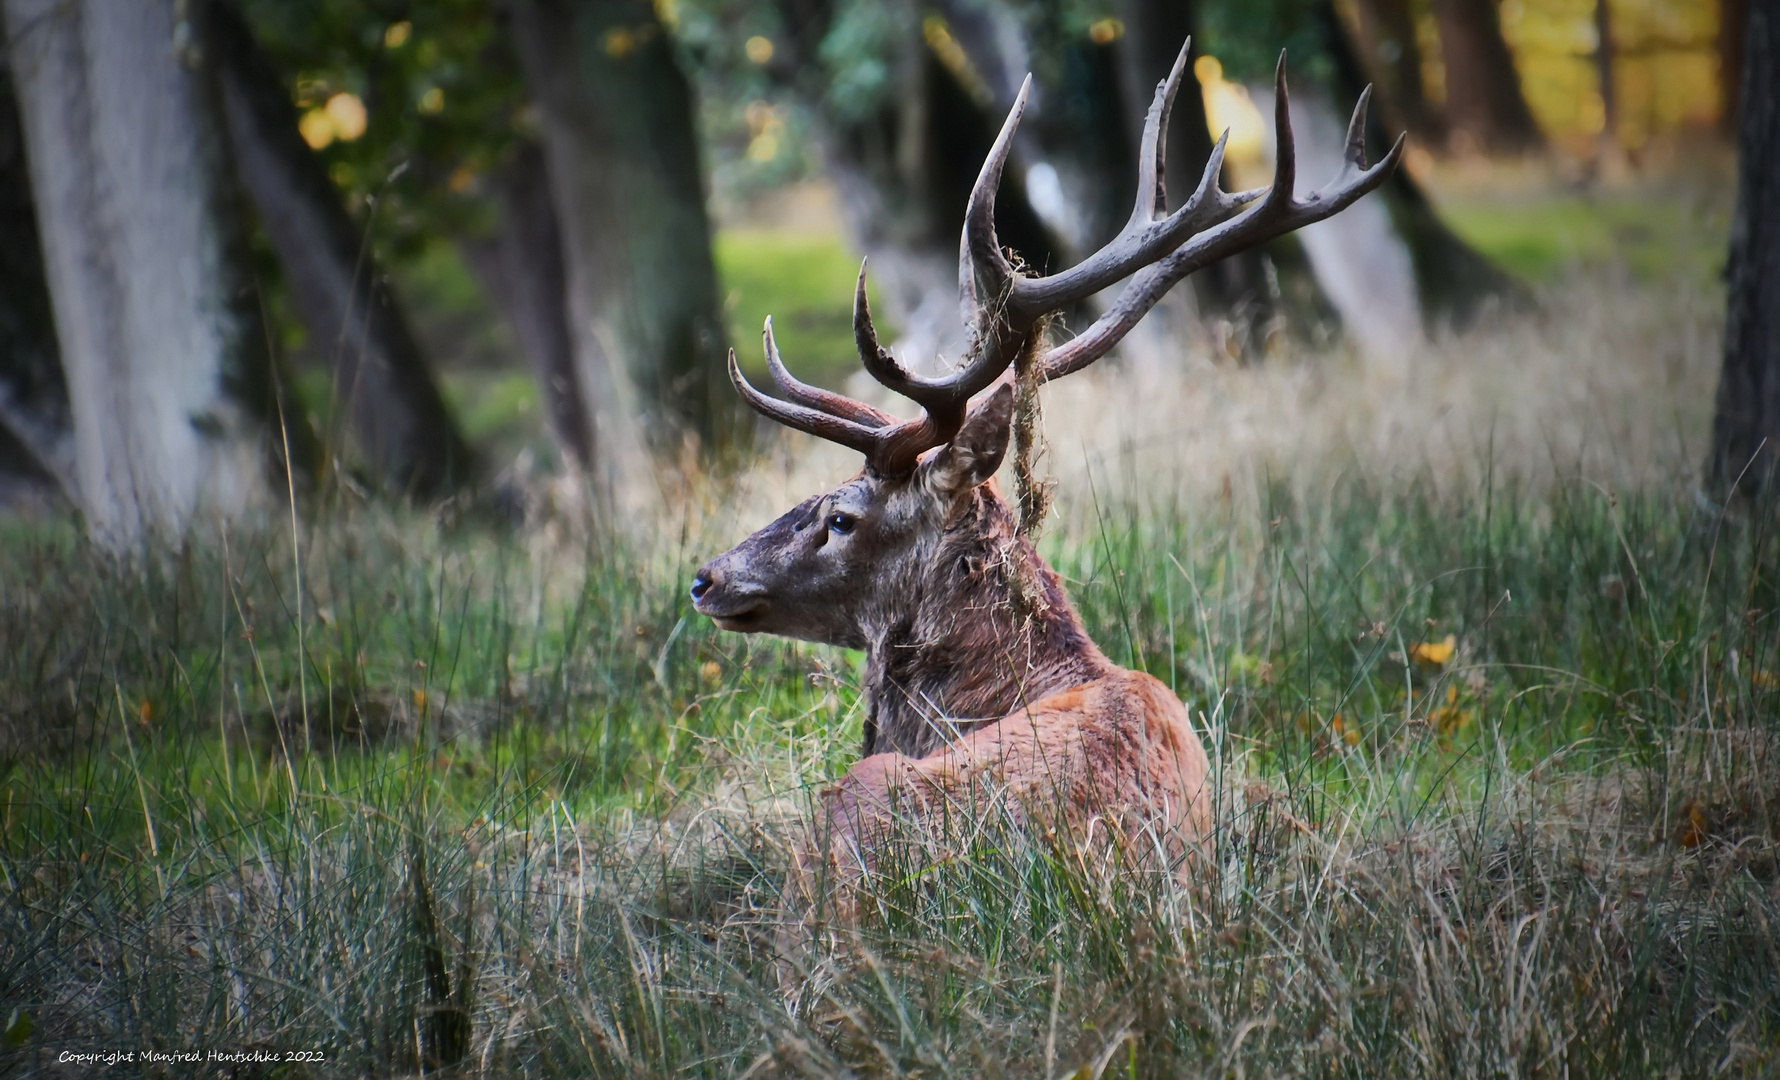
521, 267
616, 114
1747, 427
381, 378
1733, 20
1453, 283
905, 171
33, 395
163, 351
1236, 297
1604, 72
1392, 57
1362, 262
1483, 96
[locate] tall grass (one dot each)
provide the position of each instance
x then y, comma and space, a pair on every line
1495, 752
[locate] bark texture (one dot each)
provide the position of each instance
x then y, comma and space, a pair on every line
33, 395
1234, 296
161, 343
1453, 283
617, 122
1392, 58
1733, 20
1483, 94
1747, 425
905, 173
1604, 69
521, 267
381, 377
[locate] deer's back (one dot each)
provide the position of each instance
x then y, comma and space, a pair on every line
1119, 749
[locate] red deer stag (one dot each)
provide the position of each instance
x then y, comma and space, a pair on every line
979, 675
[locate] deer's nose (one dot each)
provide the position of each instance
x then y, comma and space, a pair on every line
702, 583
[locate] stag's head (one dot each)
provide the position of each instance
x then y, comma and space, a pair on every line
823, 571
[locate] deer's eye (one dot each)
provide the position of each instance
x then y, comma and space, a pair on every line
841, 524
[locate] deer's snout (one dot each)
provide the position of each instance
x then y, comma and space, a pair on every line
718, 593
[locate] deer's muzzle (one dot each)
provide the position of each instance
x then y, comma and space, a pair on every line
731, 604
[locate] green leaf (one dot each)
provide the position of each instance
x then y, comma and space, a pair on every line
18, 1028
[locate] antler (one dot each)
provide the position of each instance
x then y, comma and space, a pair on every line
1155, 249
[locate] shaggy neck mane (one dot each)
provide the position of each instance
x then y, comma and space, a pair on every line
971, 640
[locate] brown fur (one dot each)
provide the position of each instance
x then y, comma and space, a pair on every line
1118, 750
963, 653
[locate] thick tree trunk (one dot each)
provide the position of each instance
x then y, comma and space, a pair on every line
1392, 58
521, 267
381, 378
33, 395
1235, 297
617, 120
162, 348
1452, 281
1483, 96
1746, 432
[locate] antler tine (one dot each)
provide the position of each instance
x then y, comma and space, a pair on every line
1149, 234
945, 397
980, 255
1285, 149
1152, 161
1278, 213
814, 396
877, 360
1354, 152
802, 418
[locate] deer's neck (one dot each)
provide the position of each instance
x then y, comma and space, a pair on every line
966, 643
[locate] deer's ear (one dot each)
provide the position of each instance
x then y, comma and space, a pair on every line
974, 454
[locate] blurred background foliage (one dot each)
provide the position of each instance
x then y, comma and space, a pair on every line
414, 105
1545, 134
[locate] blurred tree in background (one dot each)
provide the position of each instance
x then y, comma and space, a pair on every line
1746, 434
379, 373
159, 333
436, 118
36, 431
563, 155
615, 114
410, 123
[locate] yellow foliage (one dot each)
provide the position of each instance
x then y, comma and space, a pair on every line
341, 117
1436, 653
316, 128
1106, 31
348, 114
1227, 107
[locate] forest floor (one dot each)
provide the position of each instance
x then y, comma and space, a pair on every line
1490, 689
